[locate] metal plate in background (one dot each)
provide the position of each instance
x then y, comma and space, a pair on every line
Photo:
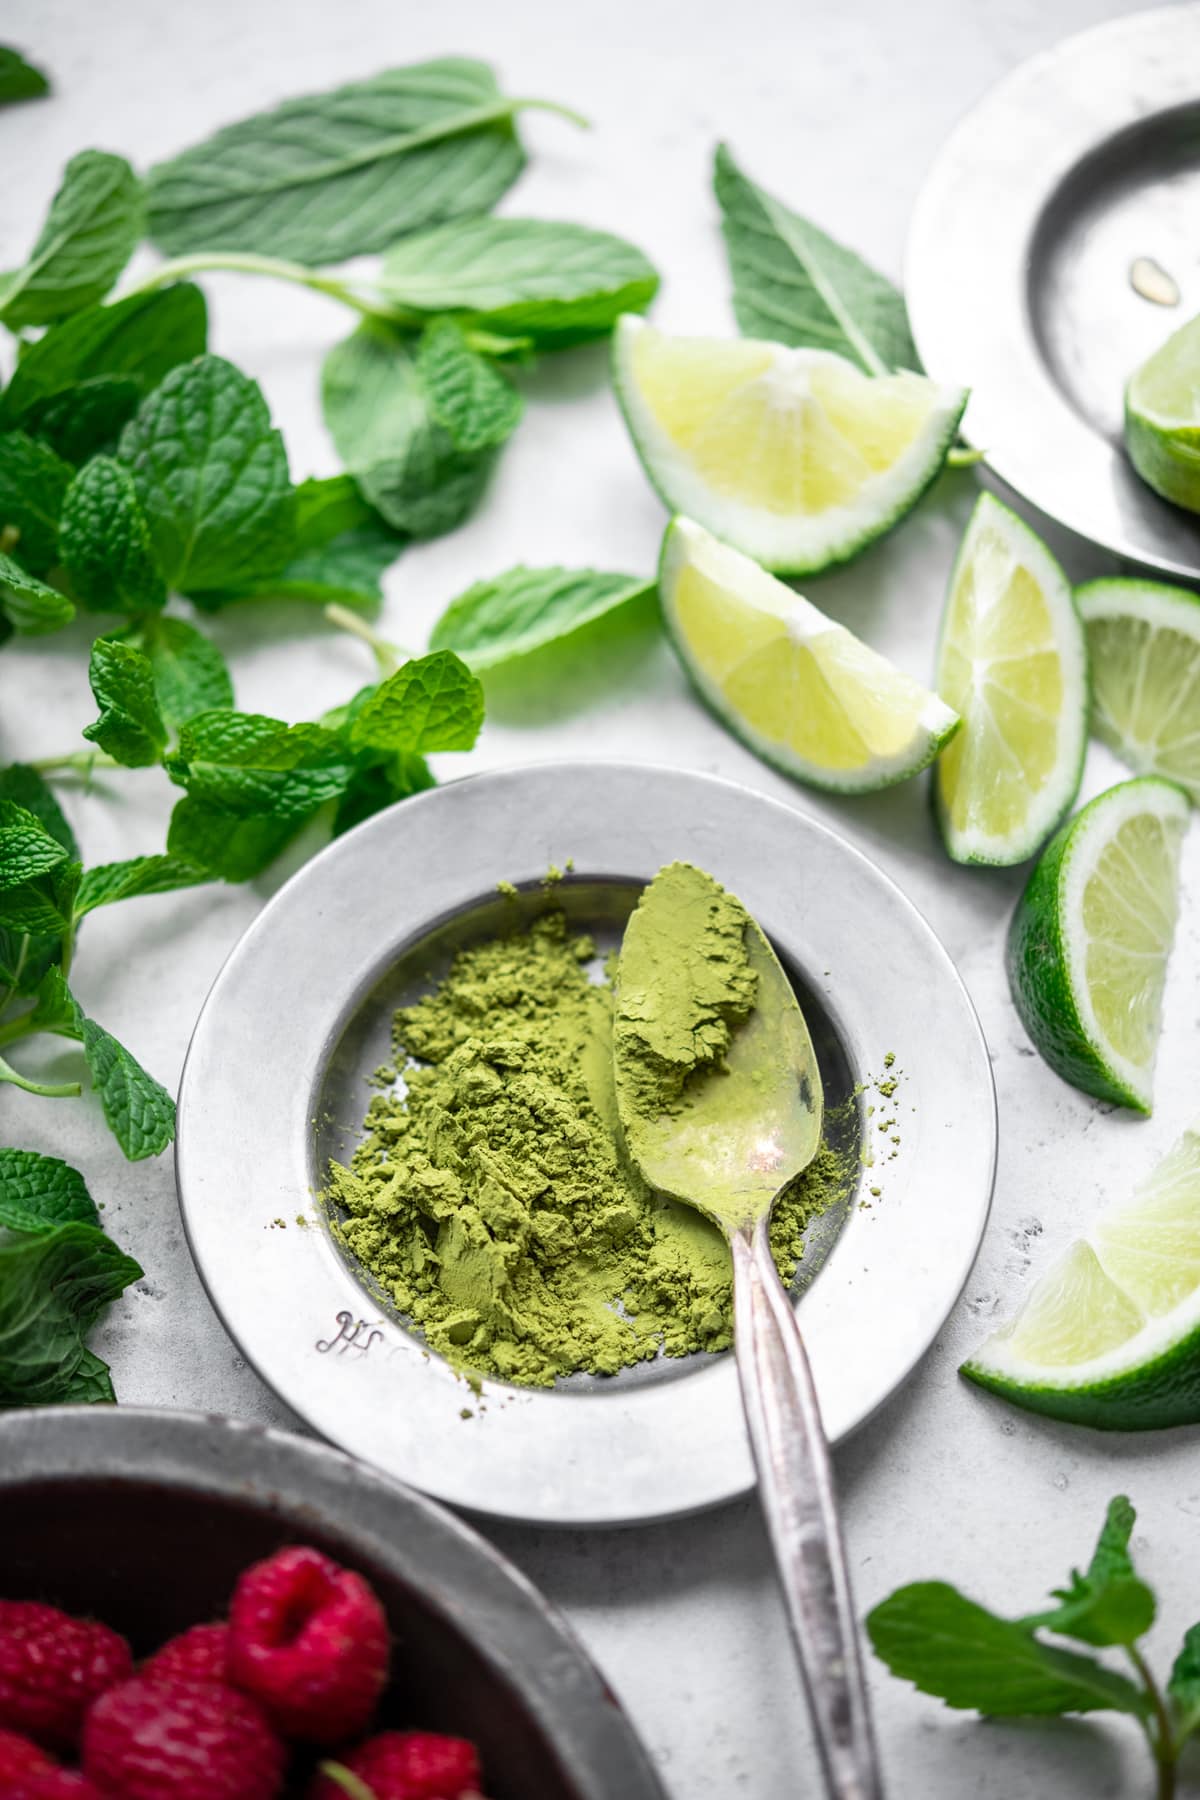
1018, 267
275, 1081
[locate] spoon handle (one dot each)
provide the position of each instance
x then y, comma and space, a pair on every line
795, 1479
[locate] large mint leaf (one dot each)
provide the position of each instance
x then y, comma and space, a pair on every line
380, 414
795, 285
555, 284
33, 482
432, 703
84, 420
53, 1288
26, 788
380, 785
91, 231
39, 1192
212, 476
139, 1110
140, 339
130, 727
524, 609
190, 675
342, 549
27, 604
948, 1646
105, 542
338, 174
249, 766
1109, 1604
230, 849
141, 875
27, 849
19, 80
469, 397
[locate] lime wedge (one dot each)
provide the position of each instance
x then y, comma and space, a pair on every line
1110, 1335
1144, 648
1013, 664
1162, 418
1089, 941
799, 689
794, 456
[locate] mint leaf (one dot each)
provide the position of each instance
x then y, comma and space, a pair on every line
25, 959
249, 766
56, 1010
27, 789
795, 285
140, 339
42, 908
39, 1192
432, 703
53, 1288
86, 419
139, 1110
212, 476
1108, 1605
381, 785
91, 231
189, 671
27, 849
380, 414
948, 1646
33, 481
38, 879
231, 849
553, 284
339, 174
27, 604
130, 727
469, 398
141, 875
19, 80
342, 549
1184, 1685
104, 541
327, 507
524, 609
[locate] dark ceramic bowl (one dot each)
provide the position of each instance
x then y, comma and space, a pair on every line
146, 1519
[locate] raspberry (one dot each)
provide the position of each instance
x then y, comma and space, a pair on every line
166, 1739
408, 1765
51, 1669
201, 1654
20, 1756
309, 1640
52, 1784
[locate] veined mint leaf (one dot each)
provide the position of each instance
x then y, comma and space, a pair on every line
28, 604
328, 506
26, 788
795, 285
139, 1110
470, 399
380, 414
249, 766
84, 420
130, 727
381, 785
230, 849
212, 476
432, 703
37, 880
948, 1646
104, 541
1108, 1605
27, 849
108, 882
342, 549
1184, 1685
189, 671
553, 284
53, 1288
39, 1192
524, 609
140, 339
56, 1010
33, 481
25, 959
343, 173
91, 231
19, 80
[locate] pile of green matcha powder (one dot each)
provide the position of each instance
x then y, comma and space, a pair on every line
492, 1201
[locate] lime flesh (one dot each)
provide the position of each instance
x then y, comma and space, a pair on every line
1144, 648
1162, 418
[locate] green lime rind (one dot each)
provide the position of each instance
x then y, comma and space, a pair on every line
1167, 459
1145, 1396
1162, 418
1039, 961
857, 538
1021, 845
880, 777
1111, 604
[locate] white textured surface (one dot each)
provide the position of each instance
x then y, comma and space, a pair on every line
840, 109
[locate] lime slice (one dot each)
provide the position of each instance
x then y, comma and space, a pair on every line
794, 456
1089, 941
1012, 663
1110, 1336
1162, 418
1144, 649
798, 688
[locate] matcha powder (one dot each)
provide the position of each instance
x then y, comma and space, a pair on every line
492, 1201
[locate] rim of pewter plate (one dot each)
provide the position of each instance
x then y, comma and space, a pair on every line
612, 1452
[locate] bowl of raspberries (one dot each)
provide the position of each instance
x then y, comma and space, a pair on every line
196, 1609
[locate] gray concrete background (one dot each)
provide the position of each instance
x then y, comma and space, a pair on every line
840, 109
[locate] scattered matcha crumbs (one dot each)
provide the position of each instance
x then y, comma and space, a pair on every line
508, 889
302, 1222
887, 1088
875, 1193
889, 1060
492, 1201
552, 876
467, 1412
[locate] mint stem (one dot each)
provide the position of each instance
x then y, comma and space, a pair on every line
82, 760
64, 1090
1162, 1736
388, 657
244, 263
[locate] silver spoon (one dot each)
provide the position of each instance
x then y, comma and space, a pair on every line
742, 1133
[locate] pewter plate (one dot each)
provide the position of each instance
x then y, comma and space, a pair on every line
1019, 270
276, 1082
